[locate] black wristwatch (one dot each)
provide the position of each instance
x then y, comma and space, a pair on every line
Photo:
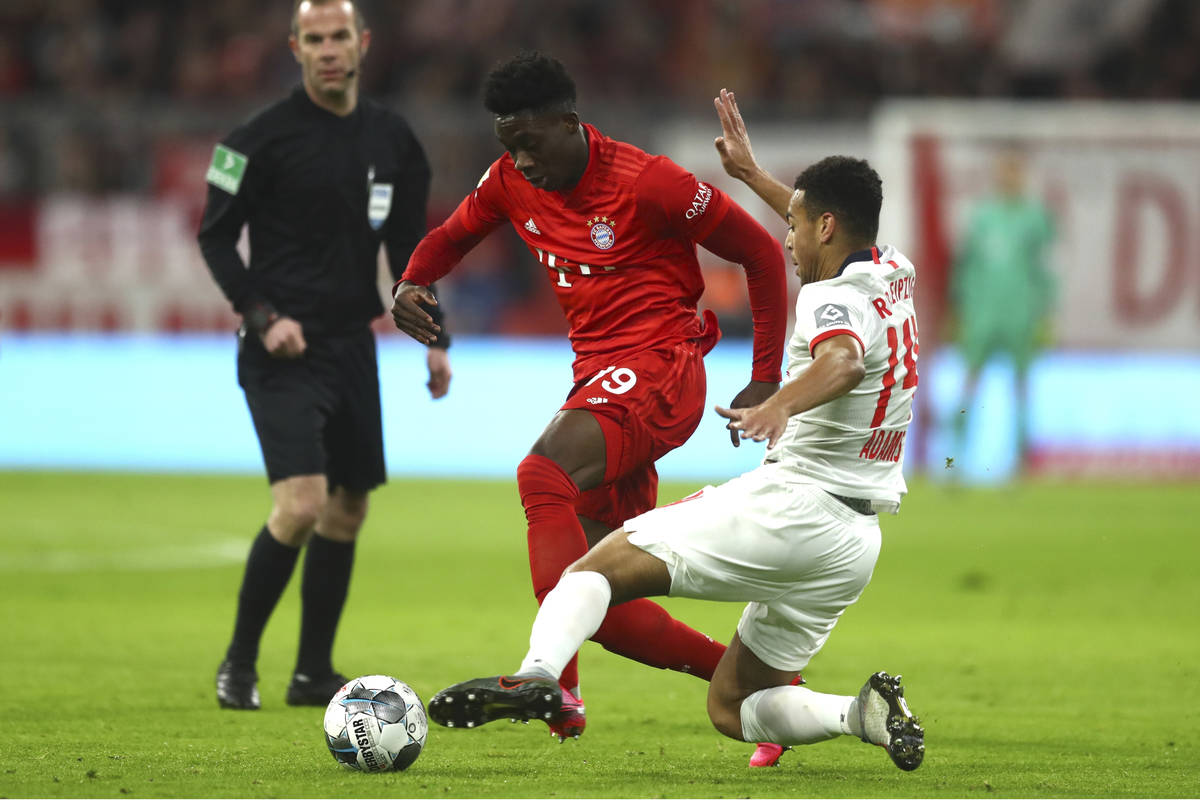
261, 316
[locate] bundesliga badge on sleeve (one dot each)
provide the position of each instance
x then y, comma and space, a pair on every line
379, 202
831, 314
227, 168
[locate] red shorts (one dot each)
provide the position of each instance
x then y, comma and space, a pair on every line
647, 403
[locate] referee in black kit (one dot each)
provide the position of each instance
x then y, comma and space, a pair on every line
321, 178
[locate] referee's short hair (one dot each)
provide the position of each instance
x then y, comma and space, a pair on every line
359, 20
531, 82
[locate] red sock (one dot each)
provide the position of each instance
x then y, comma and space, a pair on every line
569, 679
556, 539
645, 632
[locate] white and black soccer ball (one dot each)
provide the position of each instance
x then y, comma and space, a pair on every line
376, 723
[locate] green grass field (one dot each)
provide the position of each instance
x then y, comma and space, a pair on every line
1049, 636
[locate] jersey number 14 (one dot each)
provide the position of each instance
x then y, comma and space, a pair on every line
911, 349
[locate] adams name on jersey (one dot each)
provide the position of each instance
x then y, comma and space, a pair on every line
854, 445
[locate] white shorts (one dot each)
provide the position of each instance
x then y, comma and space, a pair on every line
797, 554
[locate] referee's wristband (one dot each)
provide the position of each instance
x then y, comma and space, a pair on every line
260, 317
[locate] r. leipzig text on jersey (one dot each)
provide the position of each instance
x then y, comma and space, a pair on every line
901, 289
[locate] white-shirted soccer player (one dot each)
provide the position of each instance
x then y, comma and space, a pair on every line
797, 537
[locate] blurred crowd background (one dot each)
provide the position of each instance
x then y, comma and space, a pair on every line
118, 70
121, 97
109, 110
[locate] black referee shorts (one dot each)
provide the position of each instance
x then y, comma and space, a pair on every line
318, 414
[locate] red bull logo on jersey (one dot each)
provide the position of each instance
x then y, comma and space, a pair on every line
601, 229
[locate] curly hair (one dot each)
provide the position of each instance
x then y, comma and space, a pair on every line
530, 82
849, 189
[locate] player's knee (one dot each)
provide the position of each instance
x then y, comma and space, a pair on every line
294, 517
541, 480
575, 442
725, 714
338, 526
350, 507
725, 702
352, 520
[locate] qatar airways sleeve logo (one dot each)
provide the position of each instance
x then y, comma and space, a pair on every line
700, 201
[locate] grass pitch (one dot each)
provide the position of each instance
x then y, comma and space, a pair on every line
1049, 637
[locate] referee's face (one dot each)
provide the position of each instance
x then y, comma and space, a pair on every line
329, 47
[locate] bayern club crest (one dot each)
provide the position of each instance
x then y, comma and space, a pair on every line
601, 229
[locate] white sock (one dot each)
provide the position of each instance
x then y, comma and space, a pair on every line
793, 715
570, 614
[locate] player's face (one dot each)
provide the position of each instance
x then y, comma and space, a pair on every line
549, 150
329, 47
802, 238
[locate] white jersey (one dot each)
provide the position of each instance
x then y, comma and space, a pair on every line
854, 446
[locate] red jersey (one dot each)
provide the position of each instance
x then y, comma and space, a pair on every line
619, 247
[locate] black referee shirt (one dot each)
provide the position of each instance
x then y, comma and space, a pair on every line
320, 193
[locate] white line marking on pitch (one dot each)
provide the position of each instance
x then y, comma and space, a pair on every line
141, 559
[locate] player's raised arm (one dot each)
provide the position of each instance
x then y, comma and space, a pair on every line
738, 158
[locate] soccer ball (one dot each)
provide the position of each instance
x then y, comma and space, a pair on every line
375, 723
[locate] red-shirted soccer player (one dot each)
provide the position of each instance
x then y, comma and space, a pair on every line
617, 231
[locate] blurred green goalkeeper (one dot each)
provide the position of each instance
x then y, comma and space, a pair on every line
1002, 290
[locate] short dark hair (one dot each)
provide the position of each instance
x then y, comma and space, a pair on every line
530, 82
359, 21
849, 189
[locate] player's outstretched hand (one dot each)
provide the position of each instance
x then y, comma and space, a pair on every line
438, 361
284, 339
408, 315
763, 422
733, 144
755, 393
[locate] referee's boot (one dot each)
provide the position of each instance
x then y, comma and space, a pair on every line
314, 690
237, 687
517, 697
884, 720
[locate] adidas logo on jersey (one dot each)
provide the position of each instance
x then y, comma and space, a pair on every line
531, 227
